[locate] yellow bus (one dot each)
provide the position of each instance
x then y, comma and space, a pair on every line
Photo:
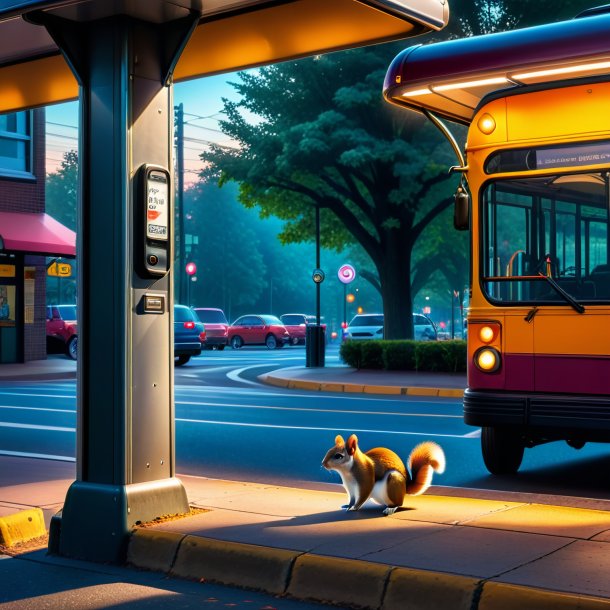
537, 167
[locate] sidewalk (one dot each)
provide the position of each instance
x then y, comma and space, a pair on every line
346, 379
440, 551
450, 548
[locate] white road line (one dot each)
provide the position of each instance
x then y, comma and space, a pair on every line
235, 375
42, 456
359, 430
474, 434
351, 412
37, 395
5, 424
19, 408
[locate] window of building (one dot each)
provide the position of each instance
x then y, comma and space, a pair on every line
16, 145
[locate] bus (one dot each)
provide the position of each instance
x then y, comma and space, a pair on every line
535, 194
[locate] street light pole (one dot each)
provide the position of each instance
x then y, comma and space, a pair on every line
318, 264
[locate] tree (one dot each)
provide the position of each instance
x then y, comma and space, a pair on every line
61, 190
322, 136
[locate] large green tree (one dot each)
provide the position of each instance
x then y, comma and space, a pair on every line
316, 132
61, 190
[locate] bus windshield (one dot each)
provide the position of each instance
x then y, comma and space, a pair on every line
535, 228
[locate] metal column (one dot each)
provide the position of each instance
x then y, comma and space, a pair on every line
125, 452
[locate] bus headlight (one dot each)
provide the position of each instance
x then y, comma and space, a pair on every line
486, 334
487, 359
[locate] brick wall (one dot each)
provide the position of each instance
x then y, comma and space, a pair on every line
28, 195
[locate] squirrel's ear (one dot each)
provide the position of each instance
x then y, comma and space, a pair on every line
339, 440
352, 444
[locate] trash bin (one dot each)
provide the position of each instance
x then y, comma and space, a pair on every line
315, 345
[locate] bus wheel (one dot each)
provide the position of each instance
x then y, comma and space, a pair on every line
502, 450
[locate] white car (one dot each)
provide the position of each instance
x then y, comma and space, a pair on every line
370, 326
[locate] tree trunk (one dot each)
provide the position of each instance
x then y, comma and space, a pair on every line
395, 278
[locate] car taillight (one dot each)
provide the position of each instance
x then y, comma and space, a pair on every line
189, 325
202, 336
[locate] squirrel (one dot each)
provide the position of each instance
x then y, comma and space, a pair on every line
380, 474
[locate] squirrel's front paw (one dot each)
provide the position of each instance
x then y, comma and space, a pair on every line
387, 511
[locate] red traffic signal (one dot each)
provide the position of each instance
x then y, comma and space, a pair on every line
191, 268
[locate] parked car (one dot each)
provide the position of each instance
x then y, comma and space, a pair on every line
62, 330
370, 326
423, 328
189, 334
216, 327
258, 330
296, 324
365, 326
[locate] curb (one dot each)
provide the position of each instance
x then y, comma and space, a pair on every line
22, 527
352, 583
323, 386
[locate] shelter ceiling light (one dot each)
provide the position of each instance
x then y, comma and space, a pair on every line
496, 80
563, 70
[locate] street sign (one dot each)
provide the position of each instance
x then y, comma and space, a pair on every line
59, 269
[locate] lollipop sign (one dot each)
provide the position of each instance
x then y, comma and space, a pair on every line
346, 274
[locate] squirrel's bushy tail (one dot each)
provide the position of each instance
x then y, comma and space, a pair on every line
425, 459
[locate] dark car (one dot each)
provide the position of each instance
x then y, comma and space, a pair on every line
189, 334
216, 327
62, 330
258, 330
296, 324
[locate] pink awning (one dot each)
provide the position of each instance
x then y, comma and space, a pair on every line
35, 234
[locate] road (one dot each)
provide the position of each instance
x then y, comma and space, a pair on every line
230, 426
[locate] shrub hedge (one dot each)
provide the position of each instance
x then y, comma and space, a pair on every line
442, 356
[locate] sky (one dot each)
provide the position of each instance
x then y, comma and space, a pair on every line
202, 103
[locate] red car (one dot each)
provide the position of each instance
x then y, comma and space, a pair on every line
216, 327
62, 330
296, 325
258, 330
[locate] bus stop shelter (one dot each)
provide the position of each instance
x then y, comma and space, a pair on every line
121, 59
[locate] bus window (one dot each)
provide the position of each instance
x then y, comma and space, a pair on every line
553, 226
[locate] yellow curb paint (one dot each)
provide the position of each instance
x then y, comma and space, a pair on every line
234, 563
331, 387
450, 393
499, 596
381, 389
152, 549
428, 590
346, 582
21, 527
276, 381
353, 387
422, 391
297, 384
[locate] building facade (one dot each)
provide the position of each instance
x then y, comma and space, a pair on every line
27, 237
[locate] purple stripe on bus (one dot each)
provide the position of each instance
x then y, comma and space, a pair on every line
546, 373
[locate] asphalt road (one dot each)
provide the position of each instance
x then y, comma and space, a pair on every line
230, 426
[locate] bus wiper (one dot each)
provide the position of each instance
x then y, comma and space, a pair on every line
559, 290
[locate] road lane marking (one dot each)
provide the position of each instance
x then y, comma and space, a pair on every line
314, 410
37, 395
42, 456
20, 408
235, 375
359, 430
5, 424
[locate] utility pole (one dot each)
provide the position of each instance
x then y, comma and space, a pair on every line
179, 121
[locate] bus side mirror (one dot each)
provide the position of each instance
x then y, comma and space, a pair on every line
461, 209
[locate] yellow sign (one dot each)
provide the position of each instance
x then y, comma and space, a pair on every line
7, 270
60, 270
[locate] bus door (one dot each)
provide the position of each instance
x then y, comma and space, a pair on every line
548, 237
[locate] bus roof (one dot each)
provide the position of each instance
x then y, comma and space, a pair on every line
451, 78
230, 35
